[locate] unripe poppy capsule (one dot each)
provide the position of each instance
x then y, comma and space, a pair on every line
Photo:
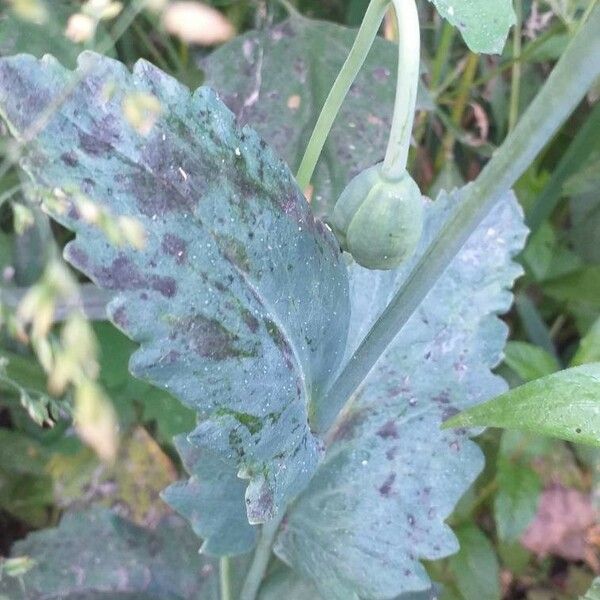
378, 220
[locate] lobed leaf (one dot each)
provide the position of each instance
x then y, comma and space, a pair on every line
277, 80
391, 477
95, 554
565, 405
239, 297
212, 500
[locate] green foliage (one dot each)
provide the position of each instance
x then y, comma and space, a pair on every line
475, 567
529, 361
384, 488
547, 405
378, 221
234, 326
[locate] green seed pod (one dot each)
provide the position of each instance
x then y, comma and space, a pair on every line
378, 220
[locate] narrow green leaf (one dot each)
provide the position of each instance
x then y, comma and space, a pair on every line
535, 327
475, 567
586, 142
565, 405
529, 362
484, 24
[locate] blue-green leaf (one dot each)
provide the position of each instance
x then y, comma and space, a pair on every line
96, 554
282, 582
565, 405
391, 477
484, 24
239, 297
212, 500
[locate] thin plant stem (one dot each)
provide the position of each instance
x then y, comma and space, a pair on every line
515, 90
409, 52
396, 155
262, 556
356, 58
150, 47
225, 578
567, 85
458, 109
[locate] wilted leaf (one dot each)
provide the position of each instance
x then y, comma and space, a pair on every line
563, 405
140, 473
561, 525
277, 81
390, 477
239, 298
96, 554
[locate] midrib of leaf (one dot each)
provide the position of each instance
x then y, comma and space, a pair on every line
574, 74
274, 316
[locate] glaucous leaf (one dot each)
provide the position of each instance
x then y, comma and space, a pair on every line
484, 24
239, 296
277, 81
563, 405
391, 477
282, 582
589, 347
212, 500
96, 554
